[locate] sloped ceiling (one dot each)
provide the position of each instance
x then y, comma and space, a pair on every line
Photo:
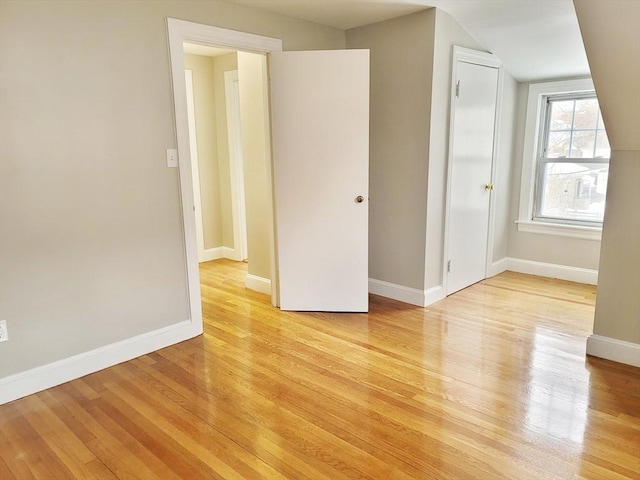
535, 39
614, 55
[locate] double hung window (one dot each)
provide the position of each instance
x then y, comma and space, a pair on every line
572, 161
565, 161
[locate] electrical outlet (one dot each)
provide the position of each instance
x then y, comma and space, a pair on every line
4, 333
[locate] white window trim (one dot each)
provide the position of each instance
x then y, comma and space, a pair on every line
529, 152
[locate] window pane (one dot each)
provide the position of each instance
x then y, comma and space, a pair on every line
558, 145
561, 115
602, 145
582, 144
573, 191
586, 116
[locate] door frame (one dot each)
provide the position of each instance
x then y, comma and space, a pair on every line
236, 166
179, 32
485, 59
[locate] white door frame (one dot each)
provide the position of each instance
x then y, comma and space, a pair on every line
461, 54
179, 32
236, 167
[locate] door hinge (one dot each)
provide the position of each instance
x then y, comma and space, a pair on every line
449, 266
458, 89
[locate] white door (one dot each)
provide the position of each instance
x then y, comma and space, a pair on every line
320, 129
470, 175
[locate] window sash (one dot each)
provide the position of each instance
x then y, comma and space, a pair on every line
540, 189
542, 160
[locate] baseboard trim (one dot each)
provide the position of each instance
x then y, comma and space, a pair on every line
497, 267
231, 254
212, 254
552, 270
221, 252
259, 284
40, 378
433, 295
614, 349
413, 296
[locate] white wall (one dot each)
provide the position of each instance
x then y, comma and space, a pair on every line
91, 239
614, 58
503, 197
222, 64
618, 297
205, 107
252, 83
401, 63
411, 60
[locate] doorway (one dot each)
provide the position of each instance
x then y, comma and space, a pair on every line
351, 84
181, 32
472, 145
216, 152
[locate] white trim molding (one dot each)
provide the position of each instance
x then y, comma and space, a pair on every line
212, 254
614, 350
413, 296
216, 253
564, 230
552, 270
40, 378
259, 284
497, 267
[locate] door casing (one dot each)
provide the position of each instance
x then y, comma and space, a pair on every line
179, 32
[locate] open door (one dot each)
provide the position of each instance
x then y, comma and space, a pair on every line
320, 131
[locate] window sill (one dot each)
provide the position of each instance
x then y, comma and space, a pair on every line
575, 231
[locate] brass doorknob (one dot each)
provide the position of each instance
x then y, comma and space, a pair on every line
488, 186
359, 199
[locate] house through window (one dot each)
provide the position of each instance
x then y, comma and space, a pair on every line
572, 161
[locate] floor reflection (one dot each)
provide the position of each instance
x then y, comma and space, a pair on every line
558, 396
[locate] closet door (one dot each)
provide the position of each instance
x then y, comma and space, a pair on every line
470, 172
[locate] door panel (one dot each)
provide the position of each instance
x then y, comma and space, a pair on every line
320, 121
472, 157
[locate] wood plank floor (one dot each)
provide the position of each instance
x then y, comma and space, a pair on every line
491, 383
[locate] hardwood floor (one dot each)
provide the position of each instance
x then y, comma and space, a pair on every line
491, 383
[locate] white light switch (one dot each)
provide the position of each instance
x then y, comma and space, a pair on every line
172, 157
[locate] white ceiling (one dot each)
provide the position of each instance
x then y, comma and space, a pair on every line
535, 39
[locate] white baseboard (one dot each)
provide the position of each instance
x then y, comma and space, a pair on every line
212, 254
221, 252
37, 379
614, 349
259, 284
413, 296
231, 254
552, 270
433, 295
497, 267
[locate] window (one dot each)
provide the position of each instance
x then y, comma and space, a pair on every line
565, 161
572, 161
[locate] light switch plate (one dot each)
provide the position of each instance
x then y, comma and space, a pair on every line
172, 157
